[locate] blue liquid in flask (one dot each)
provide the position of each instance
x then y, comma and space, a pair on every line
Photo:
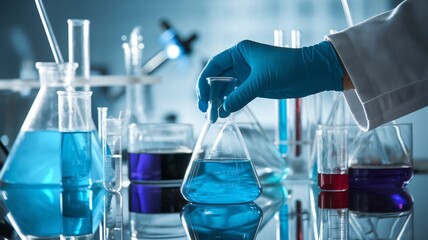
35, 159
222, 181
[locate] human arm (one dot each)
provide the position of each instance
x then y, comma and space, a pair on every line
387, 59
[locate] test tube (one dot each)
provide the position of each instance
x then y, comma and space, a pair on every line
112, 154
113, 216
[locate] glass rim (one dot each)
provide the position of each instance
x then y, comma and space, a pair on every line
156, 125
75, 93
351, 126
223, 79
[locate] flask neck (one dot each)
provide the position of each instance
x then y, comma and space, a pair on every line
55, 75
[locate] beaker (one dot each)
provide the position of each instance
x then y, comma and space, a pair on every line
159, 152
112, 153
382, 157
332, 156
240, 221
154, 211
74, 116
382, 213
334, 214
35, 156
221, 170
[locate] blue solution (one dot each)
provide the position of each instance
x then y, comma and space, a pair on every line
35, 159
76, 159
221, 182
236, 221
76, 212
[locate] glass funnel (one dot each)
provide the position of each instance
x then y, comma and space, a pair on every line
35, 157
220, 170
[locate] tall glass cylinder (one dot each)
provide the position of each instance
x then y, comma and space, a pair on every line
78, 48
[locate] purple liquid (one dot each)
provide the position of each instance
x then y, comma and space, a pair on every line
158, 166
379, 177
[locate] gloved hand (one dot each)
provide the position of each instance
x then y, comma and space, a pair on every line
272, 72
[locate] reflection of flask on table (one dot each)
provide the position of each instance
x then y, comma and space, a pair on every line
35, 155
154, 211
333, 207
220, 171
240, 222
76, 206
383, 213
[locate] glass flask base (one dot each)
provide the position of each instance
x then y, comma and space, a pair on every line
379, 177
221, 182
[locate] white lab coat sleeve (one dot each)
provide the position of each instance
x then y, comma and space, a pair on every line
387, 60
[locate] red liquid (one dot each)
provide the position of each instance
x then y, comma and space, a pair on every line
333, 182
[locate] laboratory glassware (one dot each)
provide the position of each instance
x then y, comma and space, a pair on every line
134, 100
112, 153
335, 114
43, 212
382, 157
112, 217
270, 166
76, 208
334, 215
159, 152
154, 211
35, 156
74, 120
221, 170
384, 213
236, 221
78, 49
333, 151
281, 105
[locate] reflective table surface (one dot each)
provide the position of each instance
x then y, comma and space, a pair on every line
295, 209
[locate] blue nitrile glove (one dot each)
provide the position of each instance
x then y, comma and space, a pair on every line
272, 72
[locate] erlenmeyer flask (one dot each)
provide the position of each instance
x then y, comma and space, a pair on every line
236, 221
220, 171
36, 154
267, 160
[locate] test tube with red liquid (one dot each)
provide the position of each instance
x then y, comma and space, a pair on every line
332, 150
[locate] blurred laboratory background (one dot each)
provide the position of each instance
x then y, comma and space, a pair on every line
201, 28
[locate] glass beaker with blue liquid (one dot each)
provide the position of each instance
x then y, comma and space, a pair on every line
74, 116
220, 170
35, 156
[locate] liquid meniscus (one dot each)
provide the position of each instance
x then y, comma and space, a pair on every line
221, 182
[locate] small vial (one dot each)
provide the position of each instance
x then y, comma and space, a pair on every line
332, 150
112, 154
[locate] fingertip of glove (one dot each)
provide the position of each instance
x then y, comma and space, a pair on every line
202, 106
